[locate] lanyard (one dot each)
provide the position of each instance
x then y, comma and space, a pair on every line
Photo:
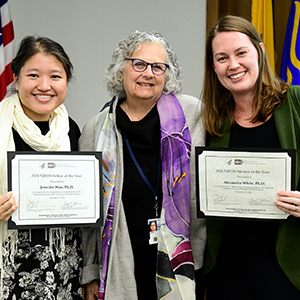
143, 175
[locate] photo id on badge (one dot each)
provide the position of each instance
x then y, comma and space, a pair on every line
154, 227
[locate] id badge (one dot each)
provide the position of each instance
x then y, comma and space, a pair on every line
154, 227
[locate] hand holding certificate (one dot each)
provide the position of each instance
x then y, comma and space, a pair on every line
289, 201
241, 183
55, 188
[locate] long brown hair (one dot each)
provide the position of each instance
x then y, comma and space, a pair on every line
218, 101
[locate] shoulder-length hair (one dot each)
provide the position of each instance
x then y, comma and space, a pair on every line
124, 50
218, 102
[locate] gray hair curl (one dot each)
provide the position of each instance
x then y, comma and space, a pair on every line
124, 50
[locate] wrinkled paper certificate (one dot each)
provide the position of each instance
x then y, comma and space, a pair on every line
242, 184
55, 188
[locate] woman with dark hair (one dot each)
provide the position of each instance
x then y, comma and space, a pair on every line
37, 263
147, 134
247, 106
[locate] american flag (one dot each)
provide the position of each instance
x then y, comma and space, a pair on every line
6, 50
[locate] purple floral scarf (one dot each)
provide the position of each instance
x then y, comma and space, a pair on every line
175, 267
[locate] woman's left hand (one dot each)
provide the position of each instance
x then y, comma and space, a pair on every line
289, 202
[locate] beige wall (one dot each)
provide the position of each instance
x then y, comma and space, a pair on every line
89, 30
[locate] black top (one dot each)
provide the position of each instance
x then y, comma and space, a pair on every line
138, 199
246, 266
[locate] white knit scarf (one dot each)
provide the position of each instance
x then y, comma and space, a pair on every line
57, 139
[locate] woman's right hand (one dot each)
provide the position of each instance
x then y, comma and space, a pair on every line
8, 205
91, 290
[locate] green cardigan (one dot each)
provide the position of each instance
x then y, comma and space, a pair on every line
287, 120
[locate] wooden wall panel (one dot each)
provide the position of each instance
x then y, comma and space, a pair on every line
239, 8
212, 14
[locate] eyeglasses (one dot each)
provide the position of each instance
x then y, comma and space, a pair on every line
140, 65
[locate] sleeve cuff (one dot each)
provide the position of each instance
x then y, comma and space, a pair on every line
90, 273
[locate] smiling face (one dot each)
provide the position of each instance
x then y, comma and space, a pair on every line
235, 61
42, 86
145, 85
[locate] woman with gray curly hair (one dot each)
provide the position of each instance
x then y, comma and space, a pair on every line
173, 80
147, 134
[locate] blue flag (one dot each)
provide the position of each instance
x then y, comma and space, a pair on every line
290, 65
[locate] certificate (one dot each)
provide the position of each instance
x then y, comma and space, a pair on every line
242, 184
55, 189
